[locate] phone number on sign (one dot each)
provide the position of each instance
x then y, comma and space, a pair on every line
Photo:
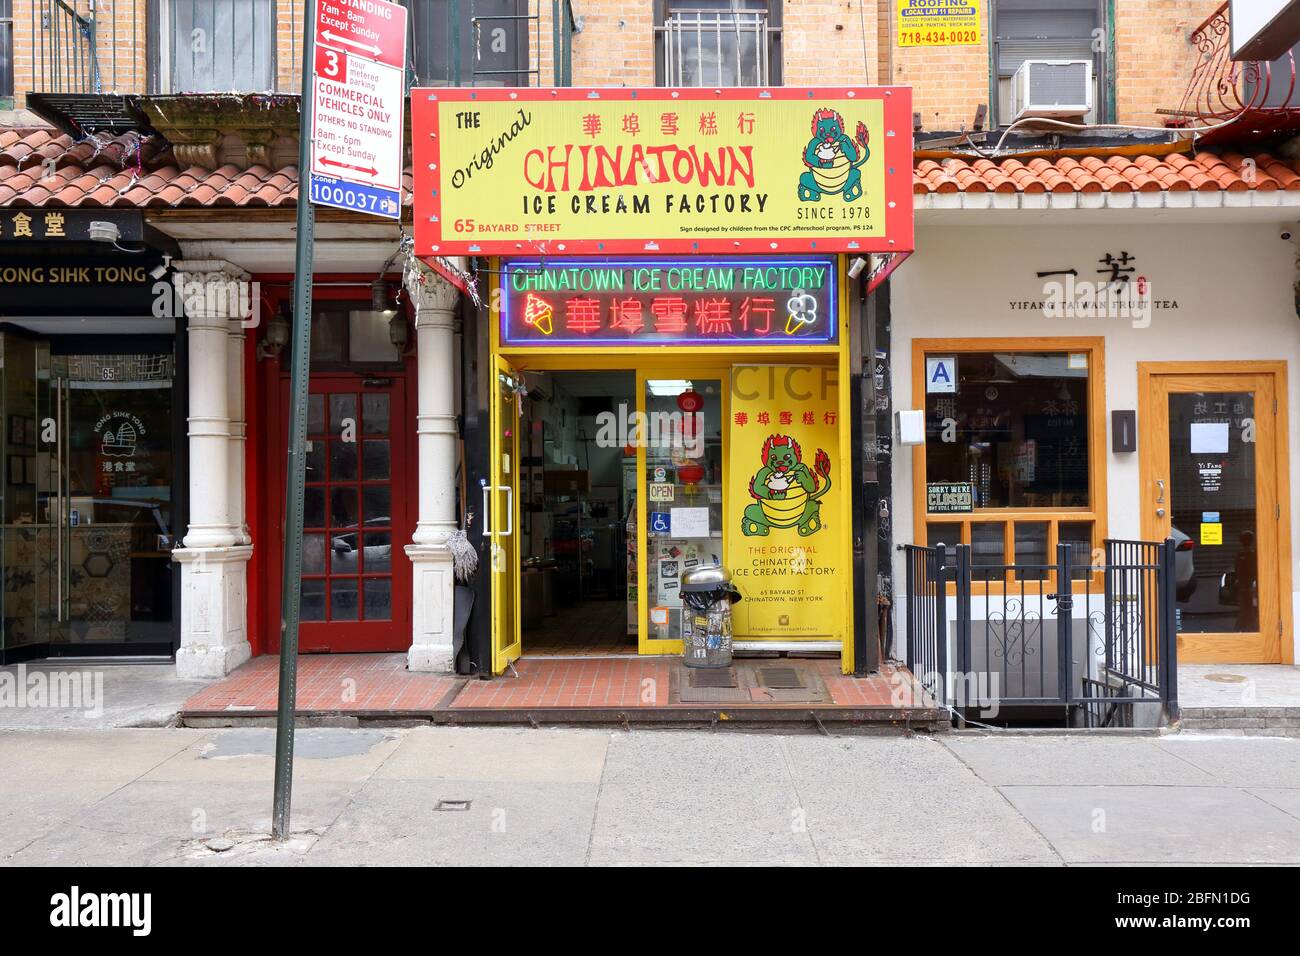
937, 37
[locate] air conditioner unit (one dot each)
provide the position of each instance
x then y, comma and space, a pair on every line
1052, 88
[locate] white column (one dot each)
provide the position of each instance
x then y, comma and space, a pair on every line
238, 431
213, 557
433, 593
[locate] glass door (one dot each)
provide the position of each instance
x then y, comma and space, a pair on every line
681, 495
22, 538
1211, 477
102, 483
501, 514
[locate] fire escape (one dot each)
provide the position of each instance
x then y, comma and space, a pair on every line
97, 63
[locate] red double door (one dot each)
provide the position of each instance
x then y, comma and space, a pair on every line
359, 514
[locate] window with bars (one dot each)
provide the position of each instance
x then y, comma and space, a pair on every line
493, 45
1048, 30
718, 43
6, 52
214, 46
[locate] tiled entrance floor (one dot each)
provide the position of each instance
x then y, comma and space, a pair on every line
596, 628
372, 685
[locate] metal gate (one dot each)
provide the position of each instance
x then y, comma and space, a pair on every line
1091, 644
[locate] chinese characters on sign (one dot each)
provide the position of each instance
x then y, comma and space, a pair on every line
64, 225
528, 172
588, 302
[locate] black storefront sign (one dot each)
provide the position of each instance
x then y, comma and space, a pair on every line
53, 284
19, 226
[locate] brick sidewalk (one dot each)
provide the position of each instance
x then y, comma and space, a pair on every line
378, 685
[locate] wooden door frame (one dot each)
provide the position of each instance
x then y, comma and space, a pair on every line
1149, 441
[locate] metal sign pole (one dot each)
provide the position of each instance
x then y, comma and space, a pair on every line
297, 470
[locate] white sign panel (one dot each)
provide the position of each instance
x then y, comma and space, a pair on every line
358, 106
940, 375
690, 522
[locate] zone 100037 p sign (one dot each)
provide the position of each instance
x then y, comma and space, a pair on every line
525, 172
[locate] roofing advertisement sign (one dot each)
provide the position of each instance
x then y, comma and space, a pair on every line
939, 22
618, 171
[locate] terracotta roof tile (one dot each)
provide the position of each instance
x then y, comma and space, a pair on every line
134, 170
1175, 172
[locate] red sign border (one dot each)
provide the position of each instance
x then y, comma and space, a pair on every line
386, 27
897, 155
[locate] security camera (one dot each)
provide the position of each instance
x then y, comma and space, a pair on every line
856, 267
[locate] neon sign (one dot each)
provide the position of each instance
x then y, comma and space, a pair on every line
669, 302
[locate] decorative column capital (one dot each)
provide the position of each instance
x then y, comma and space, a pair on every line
212, 291
433, 296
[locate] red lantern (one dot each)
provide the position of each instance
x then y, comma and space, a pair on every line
690, 401
690, 474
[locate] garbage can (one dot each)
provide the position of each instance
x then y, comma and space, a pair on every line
707, 596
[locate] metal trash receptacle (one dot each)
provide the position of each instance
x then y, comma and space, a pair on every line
707, 596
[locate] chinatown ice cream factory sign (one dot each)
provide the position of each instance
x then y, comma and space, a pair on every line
520, 172
669, 301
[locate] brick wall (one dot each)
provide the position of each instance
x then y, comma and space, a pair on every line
824, 42
1153, 58
615, 48
829, 41
949, 83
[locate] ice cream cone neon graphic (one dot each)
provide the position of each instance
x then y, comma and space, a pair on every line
539, 314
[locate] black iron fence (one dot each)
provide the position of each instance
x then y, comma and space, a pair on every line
1091, 641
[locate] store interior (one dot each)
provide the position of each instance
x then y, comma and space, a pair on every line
576, 501
578, 506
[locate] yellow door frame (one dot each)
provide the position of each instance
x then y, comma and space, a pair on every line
677, 361
502, 508
1274, 643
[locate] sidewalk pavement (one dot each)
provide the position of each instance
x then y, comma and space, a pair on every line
487, 795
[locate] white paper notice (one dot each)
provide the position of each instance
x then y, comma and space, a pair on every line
689, 522
1209, 438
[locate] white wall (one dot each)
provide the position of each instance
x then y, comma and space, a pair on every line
1233, 283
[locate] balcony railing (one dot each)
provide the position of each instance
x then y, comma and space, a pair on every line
95, 47
78, 48
1258, 98
499, 42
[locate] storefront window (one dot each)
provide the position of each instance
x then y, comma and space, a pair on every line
1011, 432
683, 491
1014, 425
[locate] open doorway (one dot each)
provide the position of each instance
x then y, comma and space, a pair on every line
577, 491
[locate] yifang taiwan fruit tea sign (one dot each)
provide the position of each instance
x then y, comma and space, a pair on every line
517, 172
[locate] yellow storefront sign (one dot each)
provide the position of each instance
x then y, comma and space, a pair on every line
527, 172
787, 509
939, 22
